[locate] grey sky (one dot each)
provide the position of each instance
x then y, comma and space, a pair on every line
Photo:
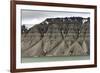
32, 17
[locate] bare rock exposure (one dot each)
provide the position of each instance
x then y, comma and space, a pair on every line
56, 37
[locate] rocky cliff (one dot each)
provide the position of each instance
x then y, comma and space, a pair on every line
57, 37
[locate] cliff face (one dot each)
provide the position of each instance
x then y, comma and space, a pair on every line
57, 37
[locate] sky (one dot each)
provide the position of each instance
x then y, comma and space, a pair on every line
33, 17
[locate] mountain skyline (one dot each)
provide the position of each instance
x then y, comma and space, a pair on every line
28, 26
38, 16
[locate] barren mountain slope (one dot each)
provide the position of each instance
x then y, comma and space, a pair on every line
57, 37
